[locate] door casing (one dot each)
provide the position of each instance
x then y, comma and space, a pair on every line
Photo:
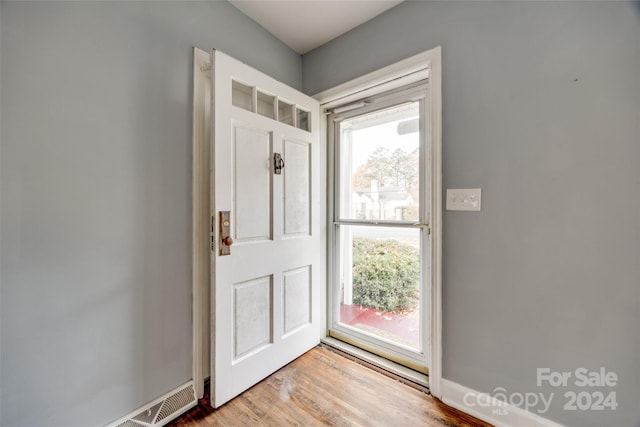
200, 270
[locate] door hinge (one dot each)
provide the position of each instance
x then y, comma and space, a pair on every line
212, 234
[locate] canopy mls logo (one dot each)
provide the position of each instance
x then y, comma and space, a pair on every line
499, 401
592, 399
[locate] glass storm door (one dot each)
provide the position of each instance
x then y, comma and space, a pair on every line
380, 236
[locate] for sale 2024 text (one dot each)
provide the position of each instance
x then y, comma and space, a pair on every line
585, 400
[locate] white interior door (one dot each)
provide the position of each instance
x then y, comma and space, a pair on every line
266, 290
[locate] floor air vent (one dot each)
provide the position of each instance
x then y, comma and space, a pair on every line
162, 410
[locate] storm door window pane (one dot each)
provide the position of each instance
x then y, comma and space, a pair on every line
379, 165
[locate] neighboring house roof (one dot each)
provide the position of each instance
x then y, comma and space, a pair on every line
392, 192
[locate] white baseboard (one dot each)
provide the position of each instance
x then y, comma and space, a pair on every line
162, 410
489, 409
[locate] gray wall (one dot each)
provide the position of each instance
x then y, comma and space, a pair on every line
96, 199
542, 110
95, 191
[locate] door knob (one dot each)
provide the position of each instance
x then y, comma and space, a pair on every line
225, 230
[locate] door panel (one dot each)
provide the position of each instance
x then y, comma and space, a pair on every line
252, 315
297, 180
297, 298
252, 184
266, 292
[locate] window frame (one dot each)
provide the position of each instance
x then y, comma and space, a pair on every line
416, 359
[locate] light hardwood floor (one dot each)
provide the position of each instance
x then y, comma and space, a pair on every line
324, 388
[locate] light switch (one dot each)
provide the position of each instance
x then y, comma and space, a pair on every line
466, 199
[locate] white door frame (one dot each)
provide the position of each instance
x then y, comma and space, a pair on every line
201, 161
424, 65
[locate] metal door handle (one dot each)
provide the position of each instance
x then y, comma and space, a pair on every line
225, 233
278, 163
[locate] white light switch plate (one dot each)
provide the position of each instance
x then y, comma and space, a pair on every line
466, 199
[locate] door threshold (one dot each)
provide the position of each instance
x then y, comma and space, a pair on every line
386, 367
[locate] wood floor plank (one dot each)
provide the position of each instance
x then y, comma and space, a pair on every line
323, 388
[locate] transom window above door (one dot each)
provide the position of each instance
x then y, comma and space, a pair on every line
265, 104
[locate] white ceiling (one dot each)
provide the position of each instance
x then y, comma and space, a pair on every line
306, 24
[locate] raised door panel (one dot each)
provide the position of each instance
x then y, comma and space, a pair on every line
297, 188
297, 298
252, 316
252, 184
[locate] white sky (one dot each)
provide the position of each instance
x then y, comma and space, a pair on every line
367, 140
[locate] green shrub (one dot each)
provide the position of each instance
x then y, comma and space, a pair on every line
386, 274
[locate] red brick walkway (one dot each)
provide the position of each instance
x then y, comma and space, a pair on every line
404, 326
